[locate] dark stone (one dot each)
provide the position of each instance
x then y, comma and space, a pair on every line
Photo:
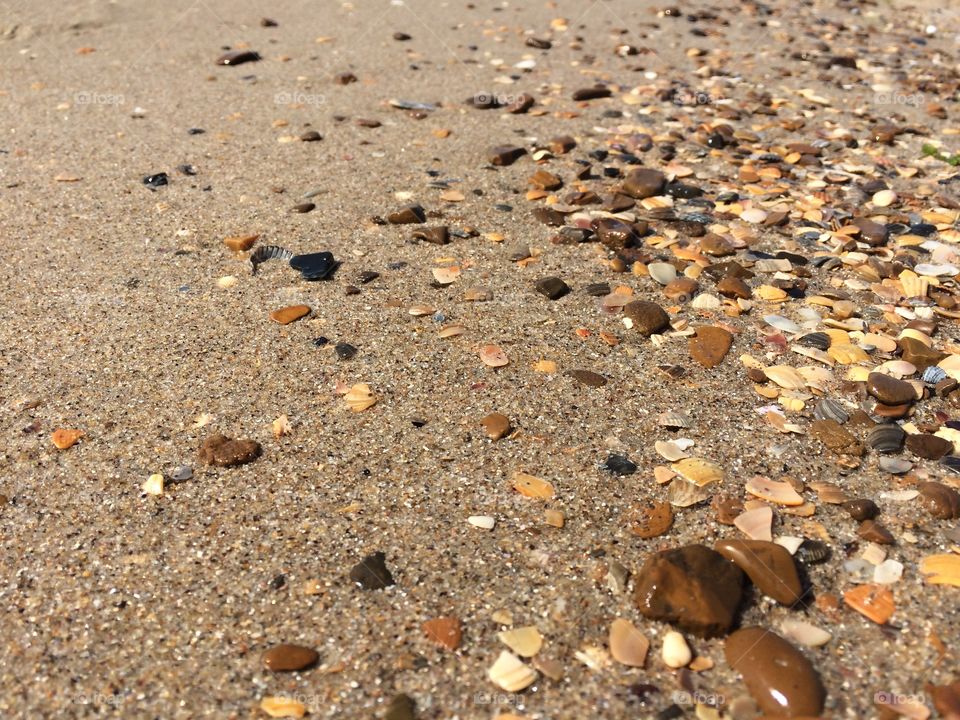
593, 93
929, 447
620, 465
155, 181
303, 207
588, 377
647, 317
289, 658
238, 57
345, 351
597, 289
861, 509
643, 183
552, 287
503, 155
548, 216
311, 136
371, 573
220, 450
889, 390
411, 214
437, 235
314, 266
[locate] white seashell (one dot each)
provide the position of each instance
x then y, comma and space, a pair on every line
936, 270
772, 265
803, 633
628, 645
888, 572
782, 324
899, 495
753, 216
153, 485
662, 272
884, 198
706, 301
482, 521
786, 377
675, 653
669, 450
510, 674
913, 284
790, 542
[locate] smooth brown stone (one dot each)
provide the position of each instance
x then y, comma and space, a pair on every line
445, 631
592, 93
889, 390
496, 425
692, 586
287, 315
643, 183
946, 699
311, 136
872, 233
561, 144
503, 155
681, 288
437, 235
730, 286
891, 411
368, 123
545, 180
288, 658
303, 207
615, 234
521, 104
777, 675
717, 245
552, 287
861, 509
647, 317
588, 377
710, 345
769, 566
929, 447
940, 500
238, 57
836, 437
408, 215
220, 450
918, 354
875, 532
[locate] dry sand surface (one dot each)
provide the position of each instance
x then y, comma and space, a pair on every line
781, 127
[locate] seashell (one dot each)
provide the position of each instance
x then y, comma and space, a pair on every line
848, 354
936, 270
770, 293
510, 673
897, 368
705, 301
888, 572
786, 377
446, 275
268, 252
895, 466
683, 493
933, 374
673, 420
781, 493
829, 409
883, 343
874, 602
913, 284
941, 569
662, 272
754, 216
282, 707
657, 202
628, 645
916, 335
818, 340
524, 641
699, 471
803, 633
829, 493
493, 356
153, 485
421, 310
813, 552
64, 438
772, 265
756, 524
482, 521
859, 570
360, 397
669, 450
886, 438
448, 331
782, 324
649, 519
791, 543
531, 486
814, 354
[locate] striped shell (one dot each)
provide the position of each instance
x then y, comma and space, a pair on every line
819, 340
268, 252
933, 374
828, 409
673, 420
886, 438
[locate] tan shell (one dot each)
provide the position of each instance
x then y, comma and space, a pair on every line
360, 397
683, 493
669, 450
531, 486
64, 438
781, 493
545, 366
699, 471
628, 645
914, 285
706, 301
756, 524
493, 356
872, 601
448, 331
510, 674
786, 377
770, 293
803, 633
421, 310
941, 569
281, 707
848, 354
524, 641
446, 275
649, 519
153, 485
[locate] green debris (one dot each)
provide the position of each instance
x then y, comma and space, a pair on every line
931, 151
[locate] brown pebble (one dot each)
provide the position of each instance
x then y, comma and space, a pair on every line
503, 155
836, 437
368, 123
344, 78
647, 317
682, 289
717, 245
496, 425
311, 136
940, 500
861, 509
615, 234
408, 215
889, 390
238, 57
287, 315
929, 447
769, 566
875, 532
437, 235
643, 183
561, 145
303, 207
918, 354
521, 104
592, 93
649, 519
445, 631
241, 243
220, 450
588, 377
288, 658
710, 345
777, 675
545, 180
730, 286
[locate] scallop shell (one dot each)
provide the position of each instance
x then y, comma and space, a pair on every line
913, 284
781, 493
669, 450
683, 493
699, 471
829, 409
673, 420
446, 275
360, 397
933, 374
493, 356
886, 438
662, 272
756, 524
786, 377
510, 673
705, 301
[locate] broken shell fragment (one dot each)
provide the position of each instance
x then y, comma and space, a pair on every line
531, 486
360, 397
781, 493
524, 641
510, 673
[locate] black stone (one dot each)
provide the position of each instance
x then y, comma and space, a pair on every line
345, 351
314, 266
238, 57
155, 181
371, 573
552, 287
597, 289
620, 465
368, 276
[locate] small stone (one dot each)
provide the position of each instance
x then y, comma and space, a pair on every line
918, 354
675, 652
592, 93
861, 509
153, 485
289, 658
345, 351
371, 573
836, 437
303, 207
710, 345
314, 266
682, 289
281, 707
548, 216
238, 57
769, 566
940, 500
64, 438
692, 586
220, 450
545, 181
588, 377
408, 215
521, 104
597, 289
646, 317
778, 676
731, 286
872, 233
875, 532
496, 425
889, 390
156, 180
620, 465
401, 707
503, 155
344, 78
445, 631
290, 314
929, 447
615, 234
552, 287
241, 243
628, 646
642, 183
716, 245
436, 235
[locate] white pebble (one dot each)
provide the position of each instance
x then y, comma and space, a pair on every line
676, 653
884, 198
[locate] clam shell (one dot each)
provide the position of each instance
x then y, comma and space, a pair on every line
628, 645
781, 493
829, 409
669, 450
706, 301
770, 293
941, 569
524, 641
895, 466
510, 674
803, 633
699, 471
673, 420
913, 284
886, 438
360, 397
782, 324
897, 368
786, 377
848, 354
683, 493
662, 272
448, 331
493, 356
756, 524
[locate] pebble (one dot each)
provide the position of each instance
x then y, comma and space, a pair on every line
289, 658
642, 183
918, 354
646, 317
929, 447
940, 500
769, 566
691, 586
65, 438
408, 215
503, 155
675, 651
371, 573
588, 377
436, 235
875, 532
155, 181
592, 93
730, 286
620, 465
290, 314
616, 234
238, 57
311, 136
552, 287
445, 631
345, 351
889, 390
220, 450
281, 707
861, 509
303, 207
496, 425
777, 675
681, 289
710, 345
